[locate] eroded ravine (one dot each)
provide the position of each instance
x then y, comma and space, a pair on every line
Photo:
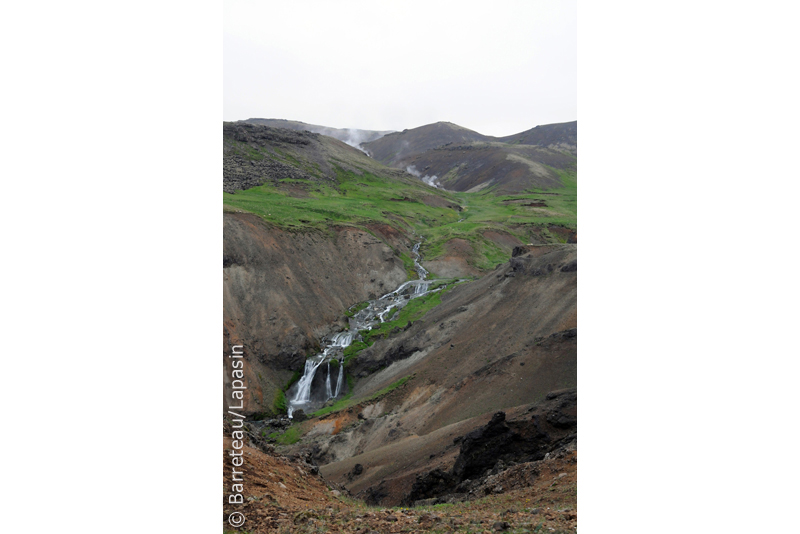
315, 387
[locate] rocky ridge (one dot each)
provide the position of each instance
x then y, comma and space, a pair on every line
242, 172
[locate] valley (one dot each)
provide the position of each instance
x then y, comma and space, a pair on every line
410, 348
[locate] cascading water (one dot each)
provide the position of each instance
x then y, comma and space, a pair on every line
421, 271
339, 381
378, 311
328, 382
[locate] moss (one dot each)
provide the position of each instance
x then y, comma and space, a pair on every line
360, 200
355, 309
353, 350
279, 403
291, 436
341, 404
414, 310
295, 377
408, 265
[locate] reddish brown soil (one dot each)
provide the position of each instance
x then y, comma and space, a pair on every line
282, 496
390, 234
563, 233
503, 240
454, 262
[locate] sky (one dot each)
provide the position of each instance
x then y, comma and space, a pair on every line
497, 68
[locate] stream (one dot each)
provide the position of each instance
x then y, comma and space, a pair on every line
316, 387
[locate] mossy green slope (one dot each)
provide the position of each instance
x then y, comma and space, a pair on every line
359, 191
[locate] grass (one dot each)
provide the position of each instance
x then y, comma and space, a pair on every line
414, 310
342, 403
391, 387
353, 350
291, 436
408, 265
360, 200
355, 309
347, 400
485, 211
295, 377
279, 403
355, 200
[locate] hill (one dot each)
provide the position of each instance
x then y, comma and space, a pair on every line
395, 148
304, 181
501, 168
352, 136
458, 159
462, 403
561, 136
504, 341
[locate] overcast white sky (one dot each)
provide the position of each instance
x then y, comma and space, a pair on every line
498, 68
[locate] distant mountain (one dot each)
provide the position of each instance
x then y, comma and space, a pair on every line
352, 136
459, 159
394, 148
562, 135
455, 158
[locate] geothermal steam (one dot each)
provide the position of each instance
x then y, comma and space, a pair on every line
430, 180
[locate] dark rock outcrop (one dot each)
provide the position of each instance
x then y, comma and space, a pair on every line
374, 495
261, 135
240, 173
519, 251
370, 361
299, 416
356, 471
490, 449
530, 262
243, 163
480, 447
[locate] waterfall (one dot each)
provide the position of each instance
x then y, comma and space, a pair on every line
304, 384
328, 382
372, 316
339, 380
421, 271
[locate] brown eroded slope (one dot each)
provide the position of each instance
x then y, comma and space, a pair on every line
505, 340
285, 495
283, 291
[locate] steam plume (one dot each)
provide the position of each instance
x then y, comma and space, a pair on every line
433, 181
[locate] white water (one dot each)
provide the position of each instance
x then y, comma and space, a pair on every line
328, 382
339, 381
300, 395
420, 269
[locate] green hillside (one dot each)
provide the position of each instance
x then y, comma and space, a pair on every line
359, 191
